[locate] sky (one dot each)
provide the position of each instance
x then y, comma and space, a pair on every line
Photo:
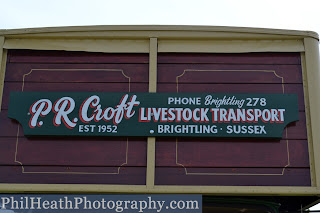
277, 14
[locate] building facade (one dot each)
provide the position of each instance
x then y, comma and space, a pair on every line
239, 171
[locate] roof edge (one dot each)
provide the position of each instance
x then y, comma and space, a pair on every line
198, 28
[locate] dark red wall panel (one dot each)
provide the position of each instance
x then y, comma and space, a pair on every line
229, 58
69, 57
179, 161
106, 160
195, 152
214, 161
73, 175
233, 176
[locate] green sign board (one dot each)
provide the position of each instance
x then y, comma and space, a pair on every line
153, 114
